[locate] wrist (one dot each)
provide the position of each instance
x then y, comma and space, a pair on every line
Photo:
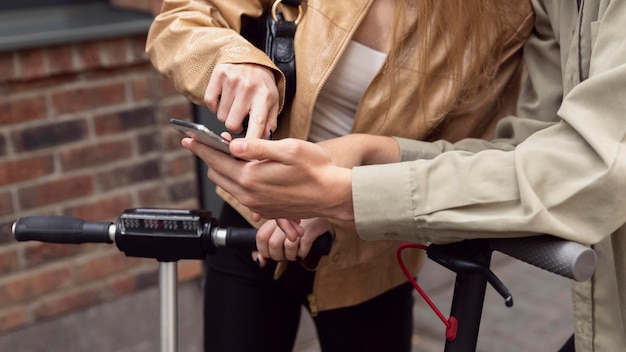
380, 150
341, 203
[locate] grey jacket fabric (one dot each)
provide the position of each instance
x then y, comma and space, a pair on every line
559, 167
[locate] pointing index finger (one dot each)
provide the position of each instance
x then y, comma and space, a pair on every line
255, 129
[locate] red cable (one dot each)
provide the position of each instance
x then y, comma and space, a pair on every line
451, 324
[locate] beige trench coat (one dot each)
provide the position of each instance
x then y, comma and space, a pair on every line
560, 168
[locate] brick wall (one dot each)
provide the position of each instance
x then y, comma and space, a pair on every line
83, 133
150, 5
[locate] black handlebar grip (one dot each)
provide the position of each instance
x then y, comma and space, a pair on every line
237, 237
322, 244
61, 229
569, 259
246, 238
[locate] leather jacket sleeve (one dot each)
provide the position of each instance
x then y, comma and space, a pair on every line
189, 38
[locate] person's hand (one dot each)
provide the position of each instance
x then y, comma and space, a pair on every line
289, 178
291, 228
272, 243
236, 91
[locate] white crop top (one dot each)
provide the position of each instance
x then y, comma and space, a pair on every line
339, 98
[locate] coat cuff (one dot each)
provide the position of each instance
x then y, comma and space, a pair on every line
383, 201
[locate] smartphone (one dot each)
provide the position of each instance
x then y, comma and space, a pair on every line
201, 134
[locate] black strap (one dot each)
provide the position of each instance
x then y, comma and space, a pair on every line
293, 3
276, 39
281, 51
279, 46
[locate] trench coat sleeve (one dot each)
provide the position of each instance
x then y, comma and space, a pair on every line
189, 38
567, 178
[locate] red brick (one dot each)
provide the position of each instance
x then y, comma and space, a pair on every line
45, 136
181, 165
115, 52
100, 266
9, 261
37, 253
89, 55
106, 209
152, 196
61, 58
7, 66
181, 109
43, 83
33, 284
142, 88
6, 203
123, 121
136, 112
67, 302
3, 145
146, 170
120, 286
13, 317
108, 124
138, 50
87, 98
56, 191
167, 89
18, 110
182, 190
172, 140
109, 94
132, 4
21, 170
149, 142
5, 232
95, 155
32, 63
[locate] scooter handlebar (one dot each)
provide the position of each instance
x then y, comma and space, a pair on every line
246, 238
566, 258
62, 229
167, 240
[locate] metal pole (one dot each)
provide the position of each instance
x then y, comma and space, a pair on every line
168, 281
467, 307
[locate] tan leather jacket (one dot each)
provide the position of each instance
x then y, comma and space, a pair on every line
186, 51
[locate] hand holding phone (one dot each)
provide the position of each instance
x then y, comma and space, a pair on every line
201, 134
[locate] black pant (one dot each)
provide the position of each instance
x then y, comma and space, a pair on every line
245, 309
569, 345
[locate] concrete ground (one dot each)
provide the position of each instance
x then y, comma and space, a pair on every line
540, 319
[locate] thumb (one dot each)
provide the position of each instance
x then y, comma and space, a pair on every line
258, 149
